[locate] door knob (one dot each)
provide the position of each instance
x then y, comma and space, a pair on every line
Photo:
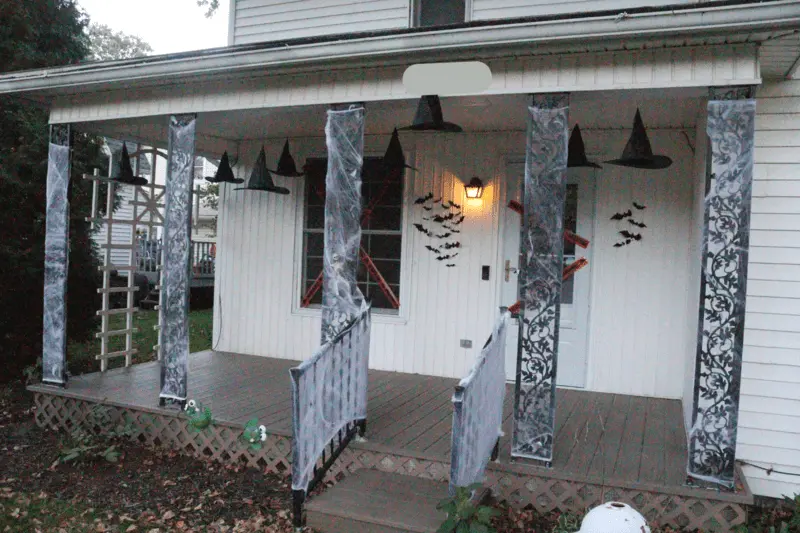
509, 269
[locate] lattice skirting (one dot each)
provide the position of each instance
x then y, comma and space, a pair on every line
220, 442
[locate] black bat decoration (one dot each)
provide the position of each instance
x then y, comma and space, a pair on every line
619, 244
450, 265
422, 229
450, 245
620, 216
437, 200
450, 203
458, 220
631, 236
445, 257
426, 208
443, 235
637, 224
454, 230
432, 249
639, 206
423, 199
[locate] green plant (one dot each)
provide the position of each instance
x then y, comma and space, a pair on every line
33, 373
96, 438
567, 523
465, 515
253, 434
793, 505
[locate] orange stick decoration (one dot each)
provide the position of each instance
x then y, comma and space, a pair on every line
569, 236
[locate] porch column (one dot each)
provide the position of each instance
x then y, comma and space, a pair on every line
541, 264
342, 300
176, 279
56, 257
726, 233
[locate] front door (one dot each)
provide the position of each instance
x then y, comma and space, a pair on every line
578, 215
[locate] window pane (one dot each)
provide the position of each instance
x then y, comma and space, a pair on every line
567, 290
390, 270
315, 217
439, 12
385, 218
571, 216
314, 245
385, 246
317, 299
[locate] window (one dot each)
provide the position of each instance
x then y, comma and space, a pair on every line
439, 12
381, 234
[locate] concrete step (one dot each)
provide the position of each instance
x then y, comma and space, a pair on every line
370, 501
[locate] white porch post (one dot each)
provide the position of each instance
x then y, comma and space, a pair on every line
341, 298
176, 275
56, 257
541, 264
726, 236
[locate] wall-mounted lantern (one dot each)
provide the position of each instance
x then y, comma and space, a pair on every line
474, 189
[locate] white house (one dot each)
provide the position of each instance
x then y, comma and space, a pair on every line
629, 320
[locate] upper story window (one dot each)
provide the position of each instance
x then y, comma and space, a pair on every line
381, 234
439, 12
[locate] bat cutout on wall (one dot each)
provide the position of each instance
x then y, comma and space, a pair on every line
437, 200
445, 218
432, 249
621, 216
451, 245
454, 230
637, 224
458, 220
639, 206
448, 265
631, 236
442, 235
426, 208
452, 204
446, 257
422, 229
423, 199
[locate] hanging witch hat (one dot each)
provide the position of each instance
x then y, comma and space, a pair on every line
126, 170
394, 158
576, 153
429, 116
638, 153
286, 165
261, 179
224, 172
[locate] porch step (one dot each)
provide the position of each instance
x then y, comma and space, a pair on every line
370, 501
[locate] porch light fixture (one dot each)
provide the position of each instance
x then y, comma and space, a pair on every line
126, 170
429, 117
224, 172
638, 153
261, 179
474, 188
286, 164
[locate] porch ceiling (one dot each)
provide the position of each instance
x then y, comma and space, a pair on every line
665, 108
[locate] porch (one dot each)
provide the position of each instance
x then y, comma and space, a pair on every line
607, 446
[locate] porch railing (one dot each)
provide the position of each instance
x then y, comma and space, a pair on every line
203, 256
478, 411
148, 253
329, 397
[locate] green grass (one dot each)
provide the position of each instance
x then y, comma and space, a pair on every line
81, 355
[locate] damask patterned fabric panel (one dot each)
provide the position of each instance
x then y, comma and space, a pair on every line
329, 390
56, 266
478, 410
177, 244
712, 438
342, 300
541, 263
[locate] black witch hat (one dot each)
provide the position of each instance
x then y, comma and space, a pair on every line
286, 165
261, 179
576, 154
429, 116
638, 153
126, 170
224, 172
394, 158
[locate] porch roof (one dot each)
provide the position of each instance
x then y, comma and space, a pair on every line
727, 21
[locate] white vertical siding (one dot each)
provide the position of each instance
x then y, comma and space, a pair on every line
277, 20
769, 417
498, 9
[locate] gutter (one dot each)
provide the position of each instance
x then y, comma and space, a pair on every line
716, 18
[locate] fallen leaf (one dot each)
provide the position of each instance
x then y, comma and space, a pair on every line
131, 528
169, 515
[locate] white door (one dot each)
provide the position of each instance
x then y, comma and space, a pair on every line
578, 217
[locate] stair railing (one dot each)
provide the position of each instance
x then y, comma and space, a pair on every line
329, 407
478, 411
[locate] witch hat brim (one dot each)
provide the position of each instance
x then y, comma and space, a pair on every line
261, 179
286, 165
576, 153
224, 172
429, 117
394, 157
638, 153
126, 175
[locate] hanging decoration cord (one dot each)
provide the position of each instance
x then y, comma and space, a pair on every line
770, 470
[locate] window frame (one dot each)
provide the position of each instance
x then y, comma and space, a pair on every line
414, 13
401, 316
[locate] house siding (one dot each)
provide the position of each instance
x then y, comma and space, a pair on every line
499, 9
638, 331
276, 20
769, 410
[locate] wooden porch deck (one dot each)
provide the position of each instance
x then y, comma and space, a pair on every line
609, 441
